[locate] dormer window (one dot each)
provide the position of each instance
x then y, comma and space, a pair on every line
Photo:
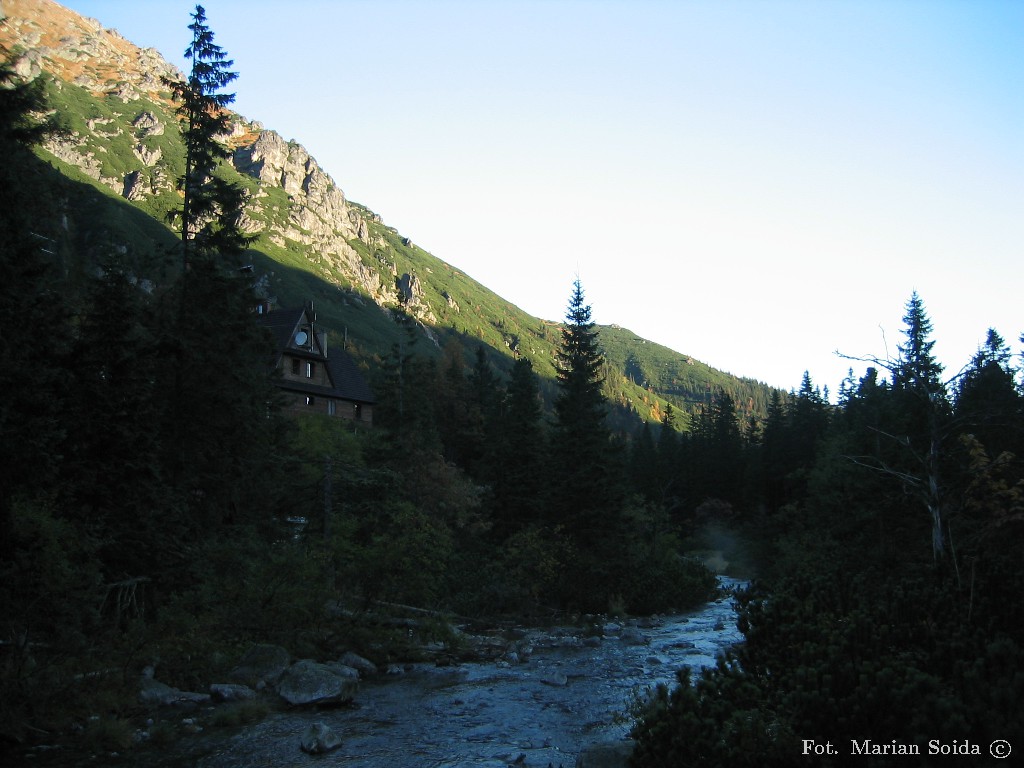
302, 339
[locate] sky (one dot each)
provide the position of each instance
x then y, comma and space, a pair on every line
756, 184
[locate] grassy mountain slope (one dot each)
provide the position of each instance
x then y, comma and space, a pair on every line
124, 151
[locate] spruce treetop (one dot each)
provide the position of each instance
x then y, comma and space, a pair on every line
917, 367
579, 358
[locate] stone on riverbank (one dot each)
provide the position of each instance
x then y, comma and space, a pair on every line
319, 739
225, 692
632, 636
308, 682
262, 665
555, 679
154, 692
364, 667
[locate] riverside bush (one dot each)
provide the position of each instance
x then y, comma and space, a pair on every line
839, 662
667, 582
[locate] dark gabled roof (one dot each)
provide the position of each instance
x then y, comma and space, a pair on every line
348, 378
281, 323
349, 383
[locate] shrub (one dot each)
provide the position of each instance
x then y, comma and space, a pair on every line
667, 581
239, 713
108, 734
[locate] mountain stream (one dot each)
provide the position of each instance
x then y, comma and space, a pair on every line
553, 693
557, 693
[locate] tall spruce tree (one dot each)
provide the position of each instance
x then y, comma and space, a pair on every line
219, 442
587, 482
211, 207
918, 423
918, 385
31, 305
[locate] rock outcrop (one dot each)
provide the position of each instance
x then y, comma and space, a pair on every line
318, 217
412, 297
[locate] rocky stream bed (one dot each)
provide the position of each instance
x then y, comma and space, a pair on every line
553, 694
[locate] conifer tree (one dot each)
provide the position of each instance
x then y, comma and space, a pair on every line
518, 476
918, 386
808, 421
988, 404
774, 461
919, 422
111, 451
673, 490
219, 441
580, 440
586, 478
716, 447
643, 464
211, 208
457, 422
580, 361
31, 307
917, 368
406, 386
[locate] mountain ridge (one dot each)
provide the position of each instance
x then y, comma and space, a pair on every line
311, 241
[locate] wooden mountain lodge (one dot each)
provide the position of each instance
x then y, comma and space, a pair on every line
313, 379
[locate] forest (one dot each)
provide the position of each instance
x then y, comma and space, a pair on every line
157, 505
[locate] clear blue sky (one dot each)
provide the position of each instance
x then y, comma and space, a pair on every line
755, 184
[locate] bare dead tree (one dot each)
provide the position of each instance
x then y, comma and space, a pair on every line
924, 478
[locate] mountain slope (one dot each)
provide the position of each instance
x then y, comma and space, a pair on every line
124, 150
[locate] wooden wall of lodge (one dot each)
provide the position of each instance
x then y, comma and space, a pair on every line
345, 409
302, 369
296, 369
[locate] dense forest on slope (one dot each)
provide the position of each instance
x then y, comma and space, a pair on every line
157, 507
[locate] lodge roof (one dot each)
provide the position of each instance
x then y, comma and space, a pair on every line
348, 381
282, 324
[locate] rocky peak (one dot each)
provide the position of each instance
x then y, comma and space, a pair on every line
79, 50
